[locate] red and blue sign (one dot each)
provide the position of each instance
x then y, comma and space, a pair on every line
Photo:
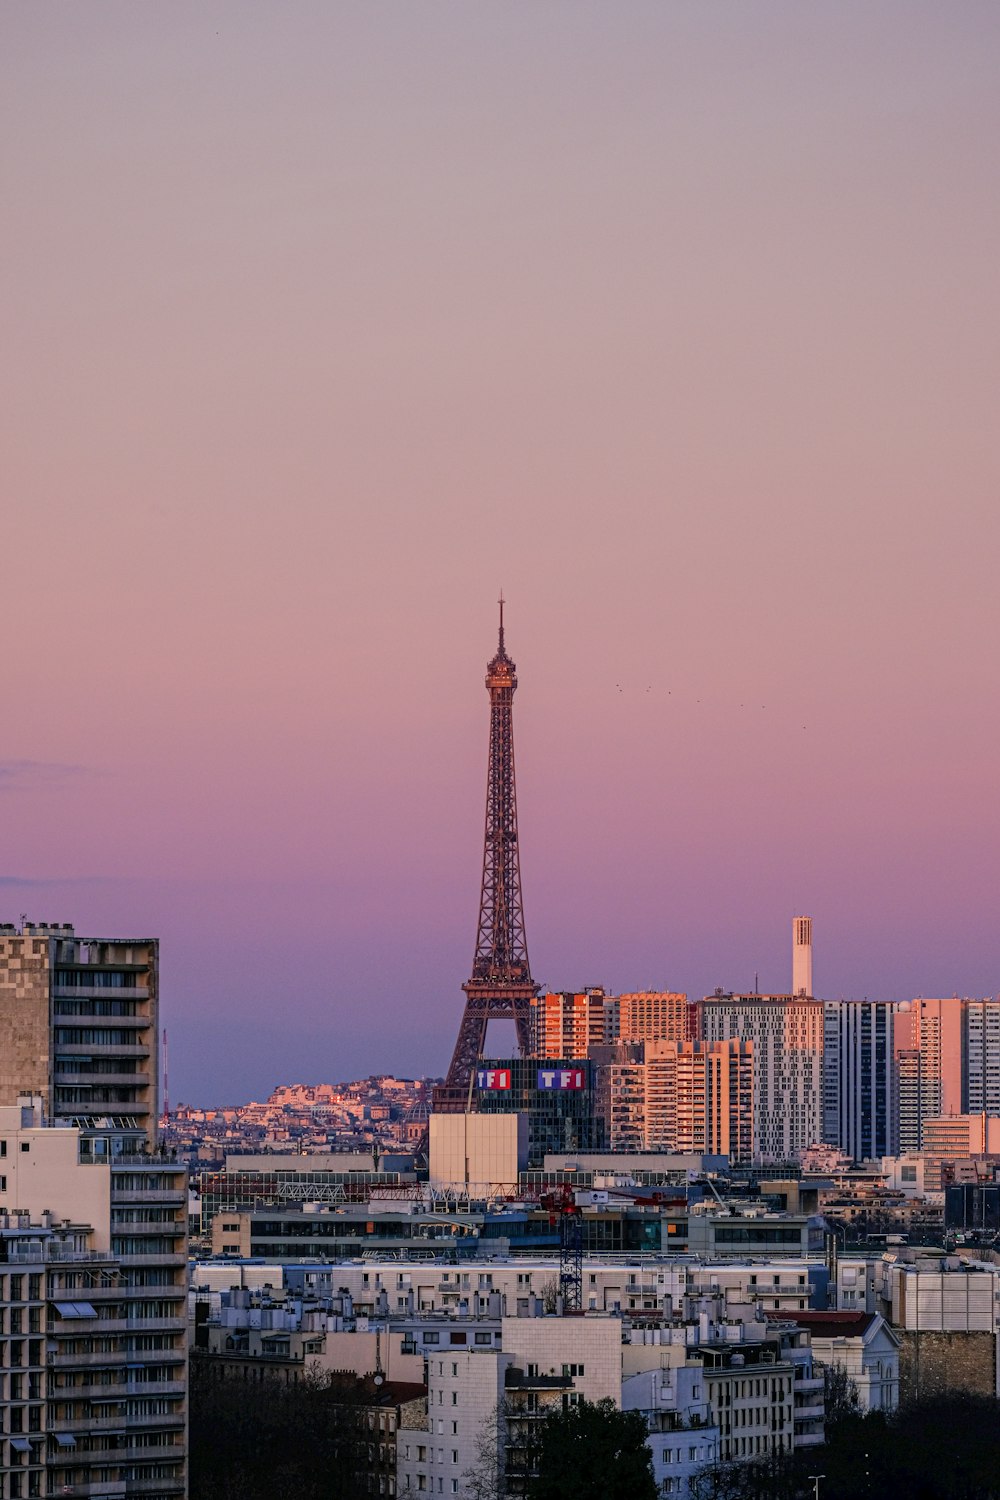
562, 1078
493, 1078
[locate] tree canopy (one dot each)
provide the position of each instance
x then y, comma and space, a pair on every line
593, 1452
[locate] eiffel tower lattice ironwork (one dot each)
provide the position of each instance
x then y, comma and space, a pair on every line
501, 986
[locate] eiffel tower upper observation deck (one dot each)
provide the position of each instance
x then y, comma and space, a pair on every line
501, 986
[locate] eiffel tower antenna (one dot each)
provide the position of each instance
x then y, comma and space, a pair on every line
501, 986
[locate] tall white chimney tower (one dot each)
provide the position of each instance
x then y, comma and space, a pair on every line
802, 955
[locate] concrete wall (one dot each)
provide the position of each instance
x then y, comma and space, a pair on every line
932, 1363
471, 1148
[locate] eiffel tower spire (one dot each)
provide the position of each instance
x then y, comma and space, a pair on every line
501, 986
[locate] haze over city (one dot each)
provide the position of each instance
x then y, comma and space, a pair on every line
320, 330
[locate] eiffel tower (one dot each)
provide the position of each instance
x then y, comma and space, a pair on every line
501, 986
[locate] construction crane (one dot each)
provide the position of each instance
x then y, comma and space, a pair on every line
564, 1210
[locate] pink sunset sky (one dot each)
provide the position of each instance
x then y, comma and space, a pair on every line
321, 323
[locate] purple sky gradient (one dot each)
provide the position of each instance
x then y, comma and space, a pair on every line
321, 323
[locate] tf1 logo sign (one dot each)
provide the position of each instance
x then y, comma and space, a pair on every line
493, 1078
560, 1078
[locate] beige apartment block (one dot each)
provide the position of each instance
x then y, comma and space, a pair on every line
78, 1025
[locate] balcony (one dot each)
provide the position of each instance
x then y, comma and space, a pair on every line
168, 1228
106, 1487
55, 1250
100, 992
163, 1420
104, 1077
174, 1356
101, 1049
519, 1380
155, 1486
813, 1411
165, 1258
176, 1196
143, 1325
63, 1361
155, 1388
85, 1425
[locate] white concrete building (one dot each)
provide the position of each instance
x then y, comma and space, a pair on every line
864, 1347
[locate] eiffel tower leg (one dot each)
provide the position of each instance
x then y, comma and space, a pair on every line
469, 1047
523, 1032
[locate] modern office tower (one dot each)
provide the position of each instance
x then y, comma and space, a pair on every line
566, 1024
787, 1036
802, 955
699, 1098
649, 1016
93, 1273
557, 1095
981, 1057
859, 1078
78, 1024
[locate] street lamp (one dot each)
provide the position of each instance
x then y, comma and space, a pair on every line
816, 1479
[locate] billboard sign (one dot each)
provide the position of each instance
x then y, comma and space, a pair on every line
561, 1078
493, 1078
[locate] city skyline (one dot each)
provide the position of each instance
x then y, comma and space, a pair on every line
680, 331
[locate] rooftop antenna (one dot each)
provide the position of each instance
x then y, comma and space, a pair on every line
166, 1080
500, 601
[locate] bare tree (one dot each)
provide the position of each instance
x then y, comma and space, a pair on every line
550, 1294
484, 1478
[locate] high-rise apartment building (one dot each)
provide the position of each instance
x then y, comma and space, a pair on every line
802, 956
787, 1036
93, 1328
938, 1038
859, 1078
649, 1016
78, 1025
567, 1024
699, 1098
907, 1095
620, 1094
